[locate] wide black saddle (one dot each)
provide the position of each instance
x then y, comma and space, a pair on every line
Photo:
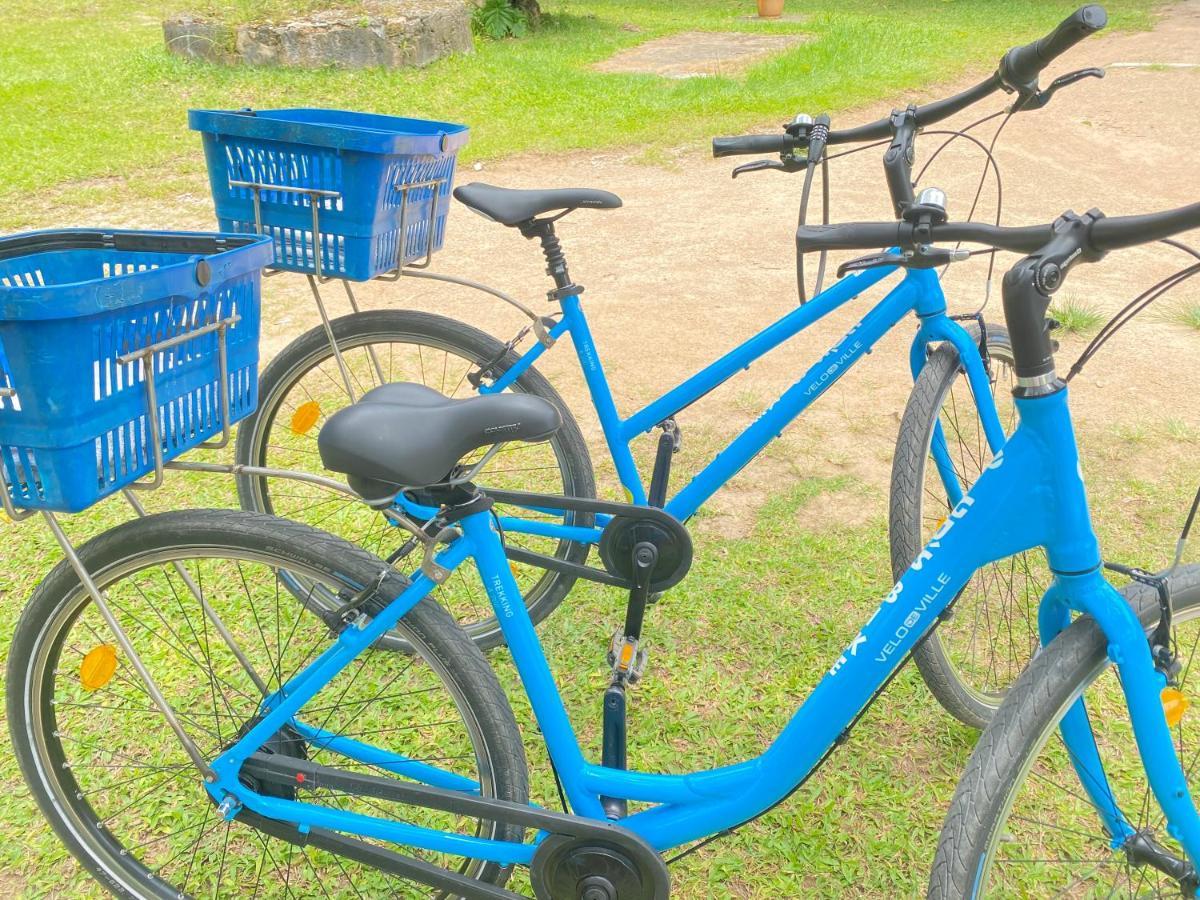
409, 435
513, 207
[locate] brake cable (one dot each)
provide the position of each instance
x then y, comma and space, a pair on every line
989, 153
802, 220
989, 161
1115, 324
1129, 311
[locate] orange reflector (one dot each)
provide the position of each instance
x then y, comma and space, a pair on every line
1175, 704
626, 655
98, 667
512, 566
304, 418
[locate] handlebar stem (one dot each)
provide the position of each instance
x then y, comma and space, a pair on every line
1028, 287
898, 160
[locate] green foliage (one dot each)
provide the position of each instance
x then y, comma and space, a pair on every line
1076, 316
1188, 314
500, 19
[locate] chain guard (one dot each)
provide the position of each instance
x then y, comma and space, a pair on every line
573, 868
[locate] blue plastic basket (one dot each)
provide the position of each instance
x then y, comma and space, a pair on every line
74, 421
359, 165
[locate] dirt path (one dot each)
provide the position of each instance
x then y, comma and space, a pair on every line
695, 262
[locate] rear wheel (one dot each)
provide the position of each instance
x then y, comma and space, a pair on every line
990, 633
304, 385
118, 787
1020, 824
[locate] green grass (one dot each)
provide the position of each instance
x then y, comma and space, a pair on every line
238, 11
1075, 316
734, 649
88, 95
1188, 314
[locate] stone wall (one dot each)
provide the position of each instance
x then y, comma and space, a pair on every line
405, 35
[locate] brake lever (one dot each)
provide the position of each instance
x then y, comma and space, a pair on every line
791, 164
926, 258
1042, 97
874, 261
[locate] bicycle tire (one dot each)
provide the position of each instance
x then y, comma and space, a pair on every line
388, 327
1020, 730
60, 601
970, 690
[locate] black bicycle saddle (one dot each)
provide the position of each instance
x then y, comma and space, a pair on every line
410, 435
512, 207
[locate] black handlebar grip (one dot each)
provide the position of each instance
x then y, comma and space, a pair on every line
851, 236
1022, 65
753, 145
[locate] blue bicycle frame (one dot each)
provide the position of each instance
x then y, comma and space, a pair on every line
918, 292
1031, 495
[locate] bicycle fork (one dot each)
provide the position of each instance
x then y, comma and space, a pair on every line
1080, 586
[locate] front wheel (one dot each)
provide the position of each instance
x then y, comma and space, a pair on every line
306, 383
1020, 824
990, 632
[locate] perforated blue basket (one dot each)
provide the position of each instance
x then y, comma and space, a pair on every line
370, 193
85, 318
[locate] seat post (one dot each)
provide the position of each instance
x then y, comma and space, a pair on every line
556, 260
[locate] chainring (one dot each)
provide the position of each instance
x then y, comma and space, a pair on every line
570, 868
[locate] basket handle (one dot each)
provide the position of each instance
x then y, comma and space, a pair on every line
436, 185
146, 357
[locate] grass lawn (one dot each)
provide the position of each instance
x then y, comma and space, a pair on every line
88, 93
734, 648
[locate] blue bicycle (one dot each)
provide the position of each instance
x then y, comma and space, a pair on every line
966, 410
300, 759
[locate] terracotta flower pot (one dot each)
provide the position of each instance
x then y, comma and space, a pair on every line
770, 9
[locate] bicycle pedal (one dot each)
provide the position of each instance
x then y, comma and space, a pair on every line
626, 658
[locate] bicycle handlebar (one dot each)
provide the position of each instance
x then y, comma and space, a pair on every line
1021, 66
1105, 234
1051, 251
1018, 71
873, 235
1129, 231
758, 144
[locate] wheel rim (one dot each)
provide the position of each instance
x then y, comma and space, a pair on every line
992, 631
1049, 839
121, 783
538, 467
